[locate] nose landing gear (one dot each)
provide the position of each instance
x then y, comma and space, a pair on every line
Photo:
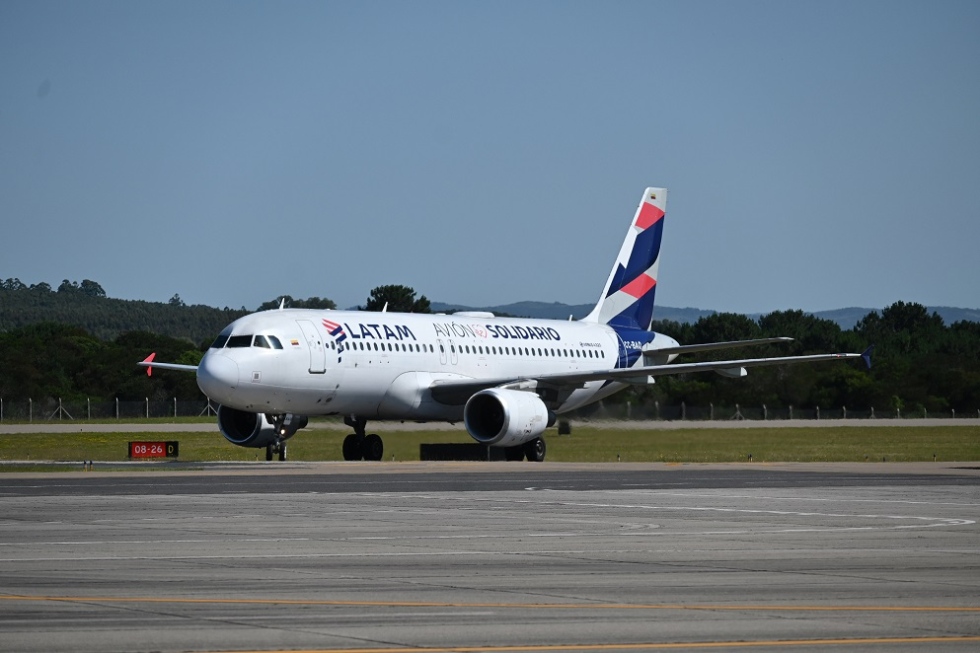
278, 447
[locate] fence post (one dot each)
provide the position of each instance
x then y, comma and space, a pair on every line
818, 412
1, 409
175, 407
117, 407
844, 408
872, 412
711, 411
765, 412
30, 410
656, 405
88, 402
629, 410
683, 410
147, 408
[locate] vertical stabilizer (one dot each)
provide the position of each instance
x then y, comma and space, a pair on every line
627, 299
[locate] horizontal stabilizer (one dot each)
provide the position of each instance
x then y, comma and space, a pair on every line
149, 365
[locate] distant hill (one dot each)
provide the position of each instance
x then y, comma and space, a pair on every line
848, 317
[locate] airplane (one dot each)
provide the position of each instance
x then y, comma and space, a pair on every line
506, 379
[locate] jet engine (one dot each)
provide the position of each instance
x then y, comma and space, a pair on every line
257, 429
505, 418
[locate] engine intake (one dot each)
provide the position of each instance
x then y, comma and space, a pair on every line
505, 418
255, 429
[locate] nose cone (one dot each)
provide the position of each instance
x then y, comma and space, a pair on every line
217, 376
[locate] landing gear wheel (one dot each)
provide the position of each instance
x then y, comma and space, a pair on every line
535, 450
373, 447
514, 454
268, 453
352, 447
282, 452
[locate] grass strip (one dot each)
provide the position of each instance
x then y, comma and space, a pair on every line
586, 444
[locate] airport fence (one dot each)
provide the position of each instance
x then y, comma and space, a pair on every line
56, 410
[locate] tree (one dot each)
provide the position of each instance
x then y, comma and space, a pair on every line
176, 300
91, 288
400, 299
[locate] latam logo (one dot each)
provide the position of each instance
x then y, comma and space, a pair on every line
335, 330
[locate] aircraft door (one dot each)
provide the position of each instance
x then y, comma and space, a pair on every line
452, 352
318, 353
442, 351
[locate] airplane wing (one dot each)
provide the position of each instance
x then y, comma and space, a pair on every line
149, 365
713, 346
458, 391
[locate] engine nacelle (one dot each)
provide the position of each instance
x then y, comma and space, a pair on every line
255, 429
505, 418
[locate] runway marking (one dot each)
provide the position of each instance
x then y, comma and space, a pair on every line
650, 646
478, 604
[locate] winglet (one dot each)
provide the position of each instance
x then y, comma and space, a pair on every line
866, 356
149, 359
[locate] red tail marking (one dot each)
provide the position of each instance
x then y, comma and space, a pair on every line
649, 215
149, 359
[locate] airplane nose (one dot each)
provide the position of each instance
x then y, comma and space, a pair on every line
217, 376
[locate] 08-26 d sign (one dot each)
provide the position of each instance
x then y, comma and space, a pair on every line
153, 449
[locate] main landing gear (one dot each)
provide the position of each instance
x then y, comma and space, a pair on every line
357, 445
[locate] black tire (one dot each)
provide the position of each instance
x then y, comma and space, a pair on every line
373, 447
282, 452
535, 450
514, 454
352, 448
268, 453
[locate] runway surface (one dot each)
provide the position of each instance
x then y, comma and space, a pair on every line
492, 558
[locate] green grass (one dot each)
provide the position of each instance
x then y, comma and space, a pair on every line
837, 444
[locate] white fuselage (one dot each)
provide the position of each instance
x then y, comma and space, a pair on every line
381, 365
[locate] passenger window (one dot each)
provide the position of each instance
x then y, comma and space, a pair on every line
240, 341
219, 342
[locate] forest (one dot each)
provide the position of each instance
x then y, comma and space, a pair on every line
75, 343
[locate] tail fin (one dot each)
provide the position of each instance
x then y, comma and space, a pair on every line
627, 299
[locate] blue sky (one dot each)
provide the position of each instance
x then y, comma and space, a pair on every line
818, 154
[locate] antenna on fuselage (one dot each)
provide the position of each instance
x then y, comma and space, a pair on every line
385, 309
282, 303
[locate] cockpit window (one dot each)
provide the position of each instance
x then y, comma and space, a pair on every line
240, 341
274, 341
260, 341
219, 342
